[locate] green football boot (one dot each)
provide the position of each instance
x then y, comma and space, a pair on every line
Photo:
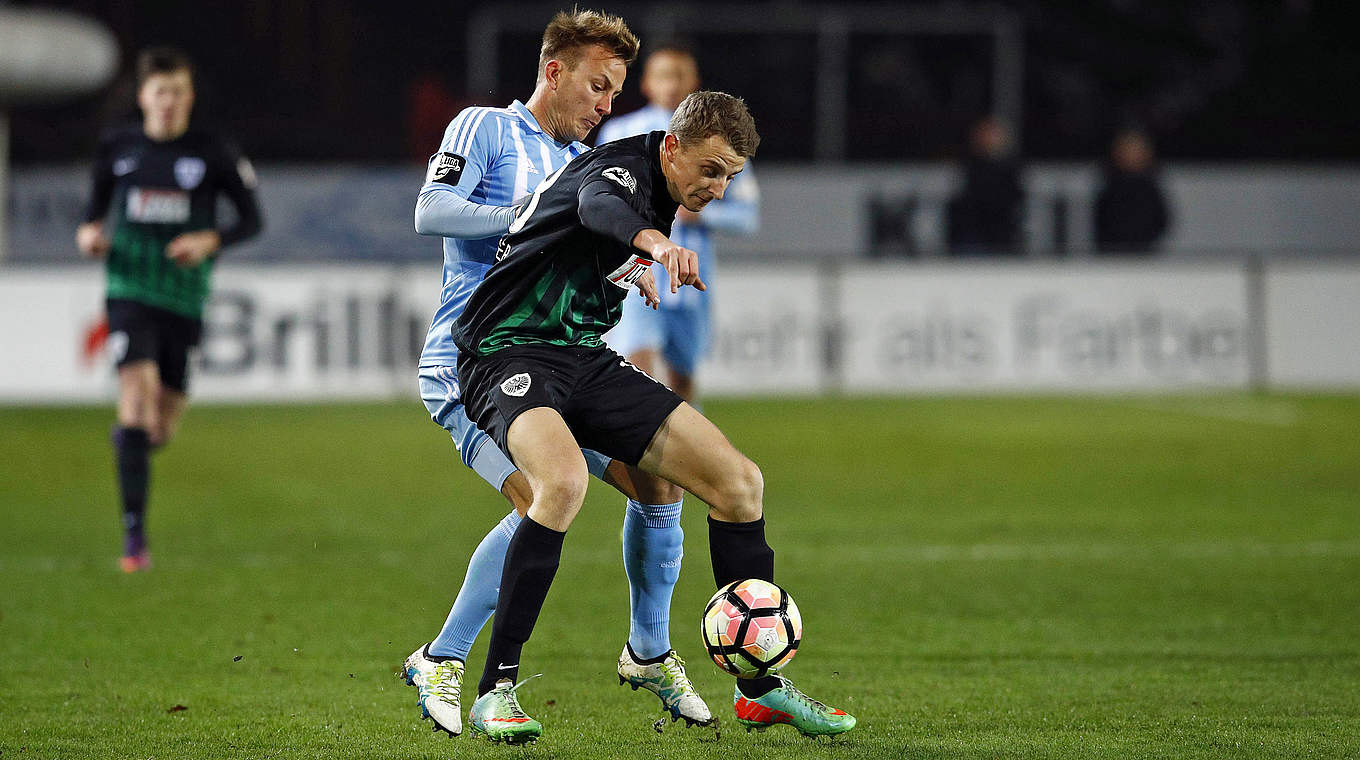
497, 716
786, 704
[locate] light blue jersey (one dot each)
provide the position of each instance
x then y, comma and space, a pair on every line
680, 330
489, 159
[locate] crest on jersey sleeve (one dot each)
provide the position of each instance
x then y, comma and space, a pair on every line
446, 168
189, 171
623, 177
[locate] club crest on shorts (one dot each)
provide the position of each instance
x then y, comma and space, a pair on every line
189, 171
516, 385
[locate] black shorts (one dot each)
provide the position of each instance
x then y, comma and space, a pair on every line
138, 331
609, 405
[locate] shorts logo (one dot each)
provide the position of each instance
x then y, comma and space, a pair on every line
118, 346
189, 171
621, 176
446, 168
516, 385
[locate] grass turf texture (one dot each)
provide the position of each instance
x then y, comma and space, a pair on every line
1146, 577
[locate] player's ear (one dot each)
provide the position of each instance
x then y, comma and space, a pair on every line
552, 71
668, 146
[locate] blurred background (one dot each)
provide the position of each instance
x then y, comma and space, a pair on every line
955, 197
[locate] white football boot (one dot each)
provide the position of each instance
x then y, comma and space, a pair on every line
439, 679
667, 680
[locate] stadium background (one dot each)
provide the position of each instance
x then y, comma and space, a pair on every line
1043, 503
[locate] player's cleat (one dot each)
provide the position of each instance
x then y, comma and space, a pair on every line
786, 704
497, 716
667, 680
439, 681
135, 563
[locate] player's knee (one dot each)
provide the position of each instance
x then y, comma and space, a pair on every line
742, 492
563, 491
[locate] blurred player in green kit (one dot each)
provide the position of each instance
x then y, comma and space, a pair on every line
152, 217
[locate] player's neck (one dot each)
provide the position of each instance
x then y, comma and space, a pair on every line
538, 106
164, 134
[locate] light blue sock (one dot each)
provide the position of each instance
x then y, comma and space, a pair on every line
653, 543
476, 601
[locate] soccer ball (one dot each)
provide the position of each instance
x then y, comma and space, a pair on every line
752, 628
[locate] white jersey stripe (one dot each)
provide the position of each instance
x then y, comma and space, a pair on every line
522, 163
466, 141
461, 124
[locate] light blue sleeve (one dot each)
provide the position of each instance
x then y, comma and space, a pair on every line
738, 213
443, 207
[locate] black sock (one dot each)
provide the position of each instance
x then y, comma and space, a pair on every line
754, 688
739, 551
530, 564
132, 456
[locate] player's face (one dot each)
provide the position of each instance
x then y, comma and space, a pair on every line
668, 78
166, 100
699, 173
584, 95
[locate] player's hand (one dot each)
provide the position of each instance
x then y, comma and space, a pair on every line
682, 265
91, 241
191, 248
646, 286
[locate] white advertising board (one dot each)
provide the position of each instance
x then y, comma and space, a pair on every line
1313, 326
767, 332
1026, 328
49, 336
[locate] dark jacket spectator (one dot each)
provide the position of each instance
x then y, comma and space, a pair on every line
985, 217
1131, 210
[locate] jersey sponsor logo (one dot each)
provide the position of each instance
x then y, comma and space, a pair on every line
189, 171
124, 166
621, 176
516, 385
630, 272
150, 205
446, 168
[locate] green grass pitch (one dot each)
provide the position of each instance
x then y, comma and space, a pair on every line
1159, 577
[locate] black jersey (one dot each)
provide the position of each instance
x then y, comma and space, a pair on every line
567, 263
153, 191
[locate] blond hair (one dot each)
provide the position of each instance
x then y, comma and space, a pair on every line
570, 33
706, 113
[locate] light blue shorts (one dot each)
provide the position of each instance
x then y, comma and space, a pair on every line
440, 392
680, 333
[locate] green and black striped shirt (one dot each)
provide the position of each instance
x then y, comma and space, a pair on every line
149, 192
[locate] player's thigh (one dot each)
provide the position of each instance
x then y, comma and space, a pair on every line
439, 391
690, 451
548, 455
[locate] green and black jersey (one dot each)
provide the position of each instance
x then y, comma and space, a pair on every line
148, 192
567, 263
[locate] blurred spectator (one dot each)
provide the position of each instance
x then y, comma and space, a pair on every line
985, 216
1131, 212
